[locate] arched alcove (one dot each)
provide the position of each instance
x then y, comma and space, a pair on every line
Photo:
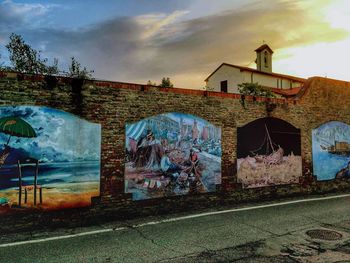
331, 151
268, 153
172, 154
65, 148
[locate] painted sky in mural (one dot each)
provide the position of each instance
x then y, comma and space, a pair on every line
331, 151
172, 154
268, 152
68, 151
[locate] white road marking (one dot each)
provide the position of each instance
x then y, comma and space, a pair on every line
33, 241
174, 219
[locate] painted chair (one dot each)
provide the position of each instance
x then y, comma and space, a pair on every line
21, 164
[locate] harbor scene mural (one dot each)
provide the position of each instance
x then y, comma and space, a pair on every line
268, 153
49, 159
172, 154
331, 151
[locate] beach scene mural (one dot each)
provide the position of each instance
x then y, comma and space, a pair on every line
49, 159
331, 151
172, 154
268, 153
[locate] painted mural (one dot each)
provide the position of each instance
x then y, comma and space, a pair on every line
331, 151
172, 154
268, 153
49, 159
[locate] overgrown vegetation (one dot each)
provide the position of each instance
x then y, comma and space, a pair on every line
77, 71
207, 88
1, 64
165, 83
255, 90
150, 83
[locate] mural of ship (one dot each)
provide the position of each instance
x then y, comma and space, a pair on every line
331, 151
339, 148
268, 153
273, 152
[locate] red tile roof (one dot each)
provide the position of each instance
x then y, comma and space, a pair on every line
286, 92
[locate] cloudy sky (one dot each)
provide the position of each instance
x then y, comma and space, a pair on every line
141, 40
60, 136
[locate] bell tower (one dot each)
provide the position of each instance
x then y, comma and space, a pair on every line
264, 58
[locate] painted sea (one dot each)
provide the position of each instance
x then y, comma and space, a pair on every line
326, 165
51, 173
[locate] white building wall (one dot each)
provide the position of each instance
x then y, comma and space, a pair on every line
232, 75
235, 76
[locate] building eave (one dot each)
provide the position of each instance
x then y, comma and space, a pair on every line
262, 47
214, 72
288, 77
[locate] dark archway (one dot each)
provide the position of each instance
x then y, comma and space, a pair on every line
252, 137
268, 151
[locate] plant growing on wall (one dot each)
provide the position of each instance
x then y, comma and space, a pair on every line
79, 75
255, 90
166, 83
150, 83
77, 71
1, 64
207, 88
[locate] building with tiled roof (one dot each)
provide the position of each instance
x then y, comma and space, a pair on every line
227, 77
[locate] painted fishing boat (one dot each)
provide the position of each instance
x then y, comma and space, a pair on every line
339, 148
273, 153
334, 146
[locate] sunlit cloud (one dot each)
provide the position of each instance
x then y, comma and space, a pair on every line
157, 24
319, 59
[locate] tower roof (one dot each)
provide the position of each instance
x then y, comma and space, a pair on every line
262, 47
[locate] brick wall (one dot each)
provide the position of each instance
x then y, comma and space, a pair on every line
112, 104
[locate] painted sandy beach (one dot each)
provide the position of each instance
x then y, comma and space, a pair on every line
55, 196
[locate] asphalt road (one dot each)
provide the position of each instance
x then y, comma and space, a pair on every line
251, 234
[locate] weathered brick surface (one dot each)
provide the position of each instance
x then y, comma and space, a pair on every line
112, 104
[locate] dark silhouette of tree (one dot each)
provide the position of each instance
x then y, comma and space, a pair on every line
28, 60
166, 83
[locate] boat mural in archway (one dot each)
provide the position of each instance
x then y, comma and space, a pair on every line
268, 153
49, 159
172, 154
331, 151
